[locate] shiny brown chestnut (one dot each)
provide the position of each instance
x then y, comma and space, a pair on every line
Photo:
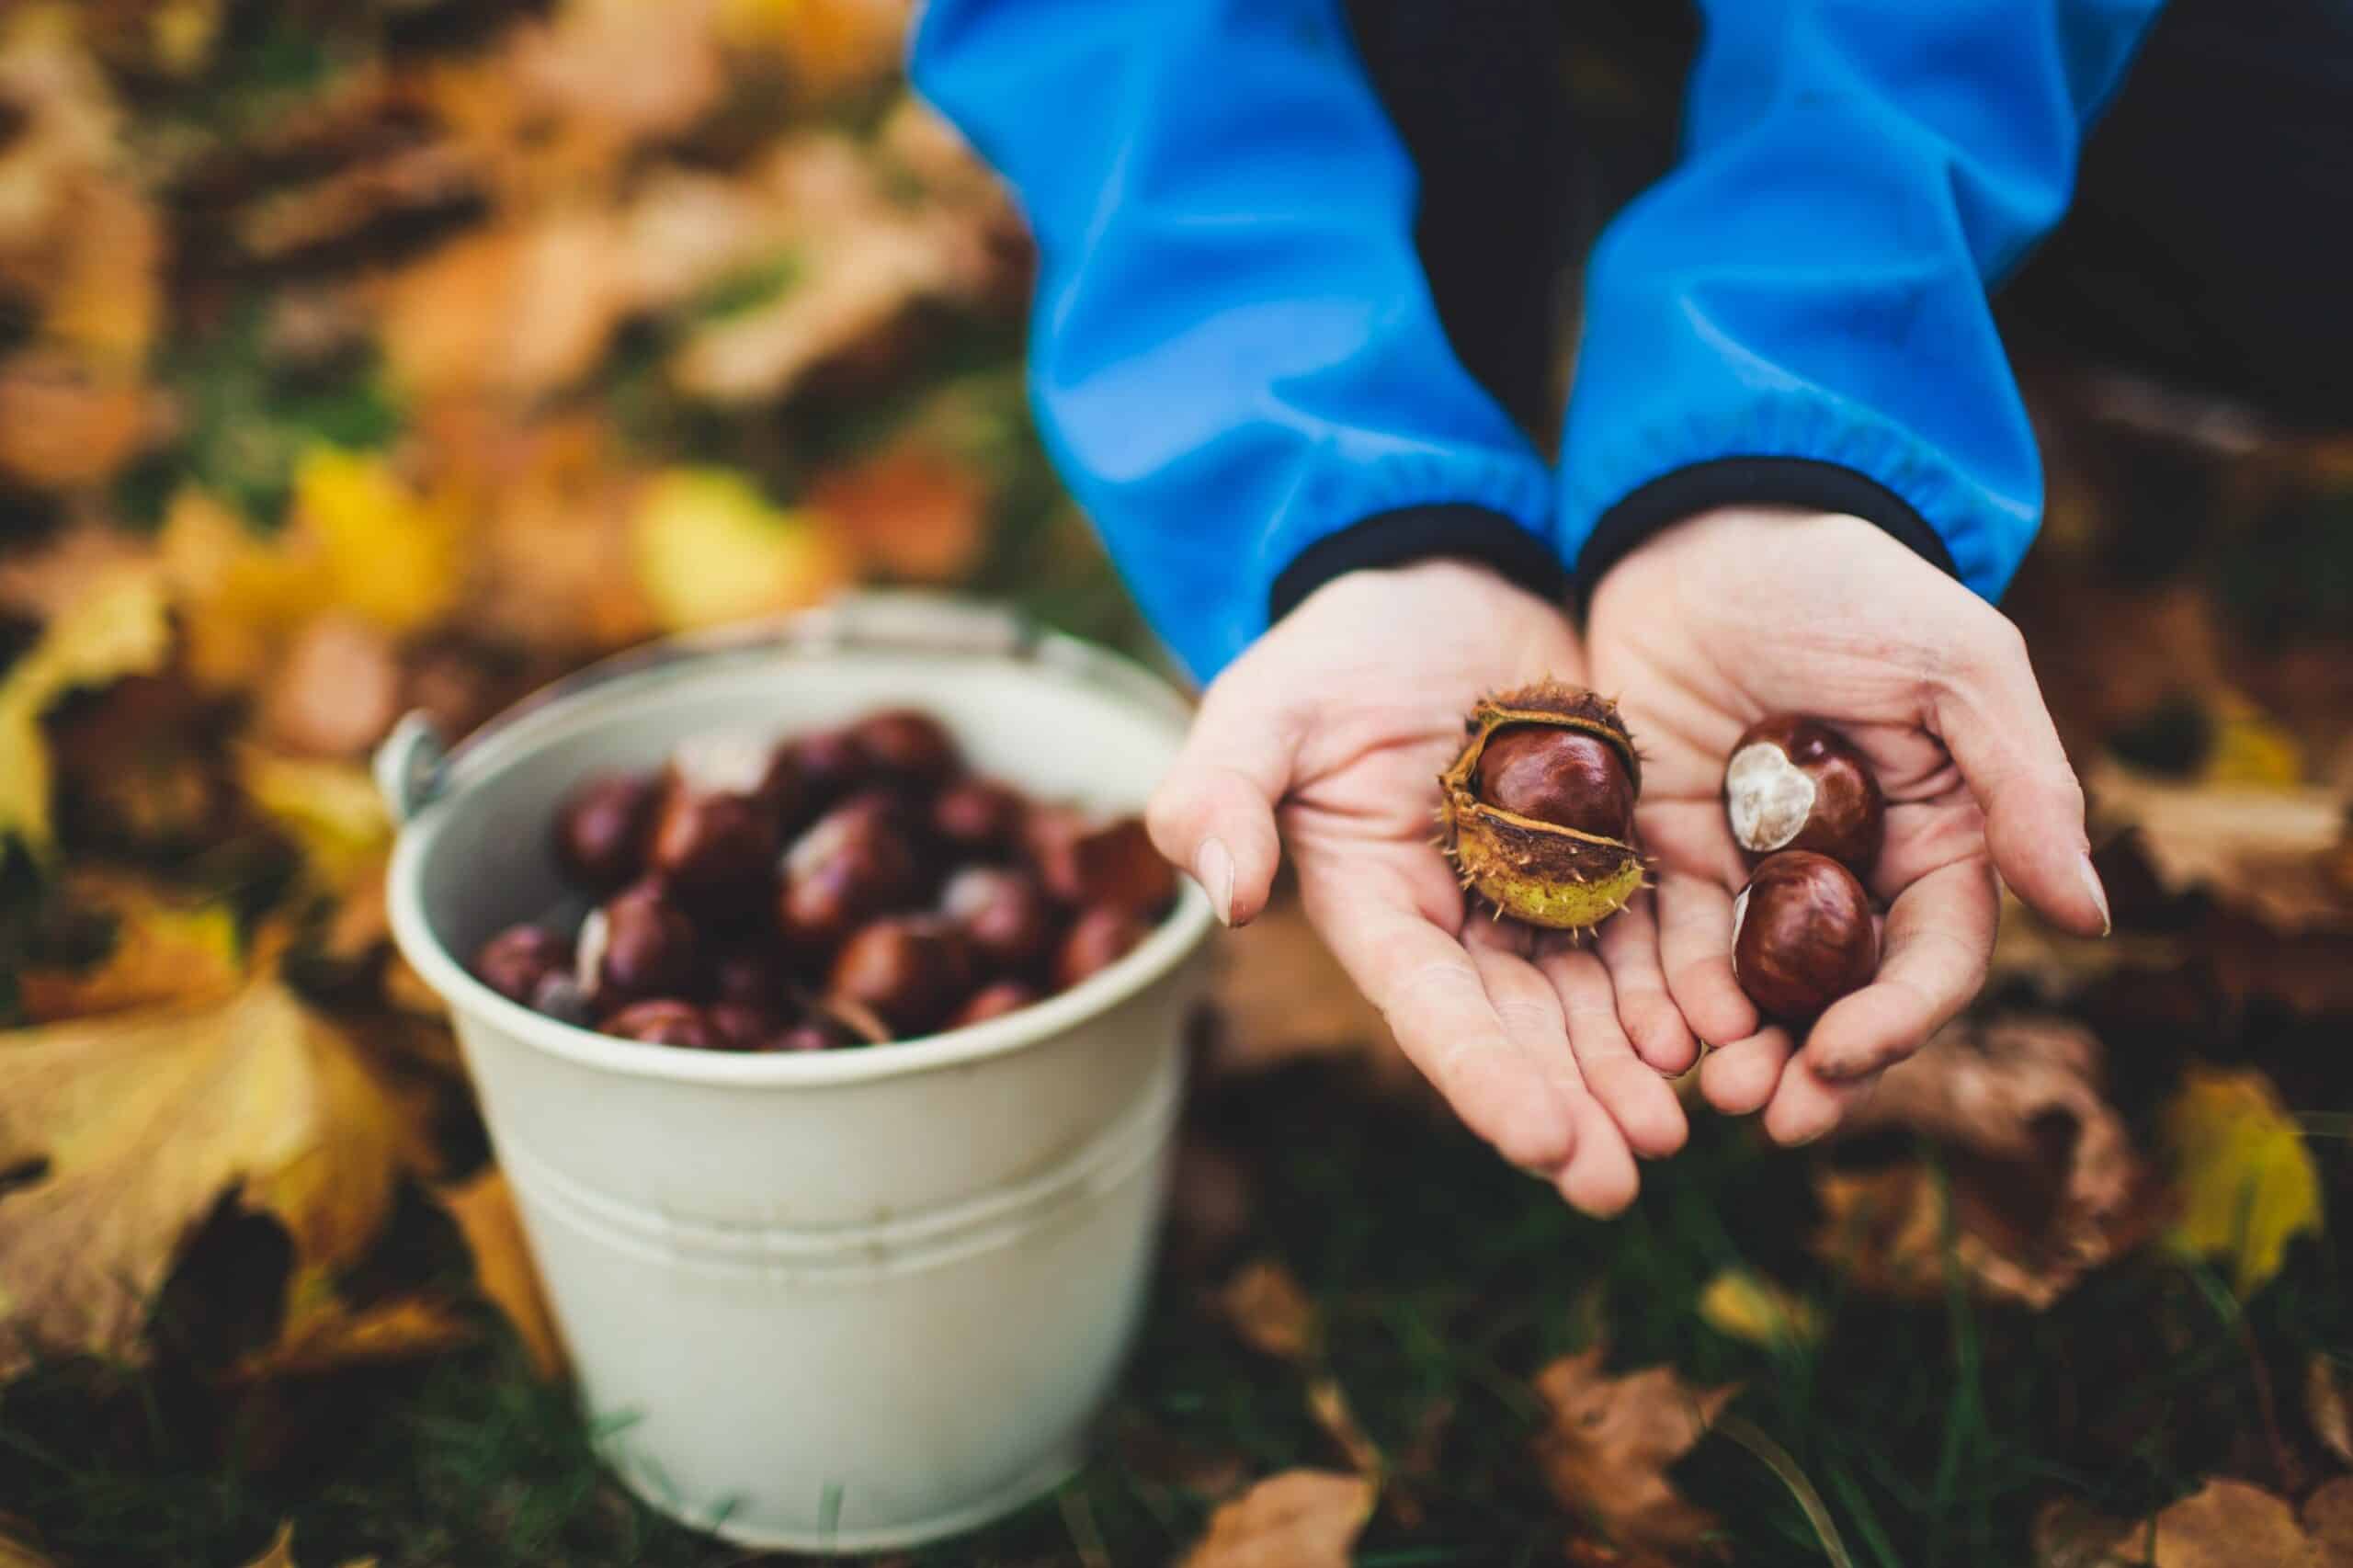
977, 816
912, 971
992, 1001
1085, 861
734, 1027
637, 944
824, 765
747, 976
1098, 939
517, 961
600, 830
1565, 776
907, 746
663, 1021
711, 848
1795, 783
811, 1034
1802, 935
1004, 913
850, 866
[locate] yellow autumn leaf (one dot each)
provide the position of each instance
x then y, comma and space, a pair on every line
2248, 748
391, 555
165, 950
330, 809
134, 1126
2247, 1182
239, 597
1746, 1305
710, 548
120, 627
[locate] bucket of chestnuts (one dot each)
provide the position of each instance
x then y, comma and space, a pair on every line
825, 1000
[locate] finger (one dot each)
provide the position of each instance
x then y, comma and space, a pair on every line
1638, 1100
1695, 952
1938, 941
1430, 990
1991, 719
1214, 812
1806, 1105
1740, 1077
1629, 951
1600, 1178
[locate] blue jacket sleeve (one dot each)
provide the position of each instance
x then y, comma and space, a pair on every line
1234, 356
1799, 312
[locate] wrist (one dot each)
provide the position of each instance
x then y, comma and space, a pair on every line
1456, 536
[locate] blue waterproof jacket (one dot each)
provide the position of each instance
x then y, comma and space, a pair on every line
1235, 359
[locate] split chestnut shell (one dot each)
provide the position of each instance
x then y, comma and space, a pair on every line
1535, 870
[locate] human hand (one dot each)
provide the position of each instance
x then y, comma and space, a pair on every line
1336, 724
1744, 612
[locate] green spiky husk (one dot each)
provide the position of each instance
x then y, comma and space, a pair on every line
1535, 871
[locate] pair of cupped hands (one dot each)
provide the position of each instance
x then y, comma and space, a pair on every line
1328, 737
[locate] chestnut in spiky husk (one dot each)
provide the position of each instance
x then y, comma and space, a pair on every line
1796, 783
1802, 935
1552, 844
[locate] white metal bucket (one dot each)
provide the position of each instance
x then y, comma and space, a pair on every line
850, 1301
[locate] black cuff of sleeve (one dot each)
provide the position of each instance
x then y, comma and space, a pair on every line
1420, 533
1751, 482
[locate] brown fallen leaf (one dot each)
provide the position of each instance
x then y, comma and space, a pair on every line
334, 690
328, 1335
911, 511
2325, 1406
516, 310
280, 1554
2225, 1523
2261, 851
134, 1125
484, 1210
15, 1554
1606, 1448
2046, 1184
165, 950
1265, 1307
1327, 1401
1300, 1519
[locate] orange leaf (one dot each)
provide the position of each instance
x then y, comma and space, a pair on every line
1302, 1519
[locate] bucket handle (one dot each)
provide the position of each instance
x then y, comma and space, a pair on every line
412, 765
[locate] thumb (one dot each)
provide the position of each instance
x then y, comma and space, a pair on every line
1214, 813
1994, 722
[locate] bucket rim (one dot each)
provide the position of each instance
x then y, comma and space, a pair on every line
1069, 660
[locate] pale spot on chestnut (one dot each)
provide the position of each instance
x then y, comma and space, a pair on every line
1767, 797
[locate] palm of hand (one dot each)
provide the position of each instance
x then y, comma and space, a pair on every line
1703, 633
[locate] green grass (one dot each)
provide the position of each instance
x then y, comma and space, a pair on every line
1928, 1433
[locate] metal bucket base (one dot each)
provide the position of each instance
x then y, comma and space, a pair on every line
1050, 1473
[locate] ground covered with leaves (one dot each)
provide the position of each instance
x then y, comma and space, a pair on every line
362, 359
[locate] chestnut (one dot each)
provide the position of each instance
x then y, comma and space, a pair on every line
663, 1021
637, 944
1004, 913
517, 961
561, 998
713, 850
600, 830
747, 977
1568, 777
824, 765
977, 816
850, 866
734, 1027
911, 971
1098, 940
907, 746
1085, 861
1796, 783
992, 1001
1802, 935
811, 1034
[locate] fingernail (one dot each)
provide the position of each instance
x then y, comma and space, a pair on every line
2099, 894
1213, 869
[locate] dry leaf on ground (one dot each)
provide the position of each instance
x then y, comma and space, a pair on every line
484, 1210
1610, 1440
1266, 1308
326, 1335
118, 628
2225, 1523
910, 510
2248, 1180
281, 1553
2046, 1184
137, 1123
164, 951
711, 549
1302, 1519
2260, 851
14, 1554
